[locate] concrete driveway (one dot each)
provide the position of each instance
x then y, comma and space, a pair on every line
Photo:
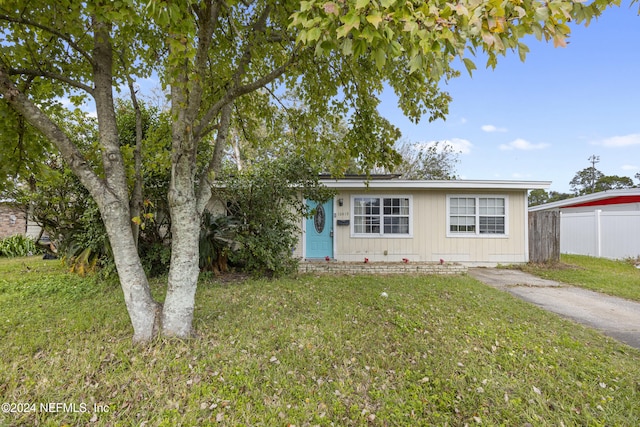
616, 317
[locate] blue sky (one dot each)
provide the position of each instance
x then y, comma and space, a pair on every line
542, 119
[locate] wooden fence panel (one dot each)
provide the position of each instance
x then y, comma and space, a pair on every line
544, 236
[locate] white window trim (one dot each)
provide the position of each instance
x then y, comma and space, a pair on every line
381, 234
477, 233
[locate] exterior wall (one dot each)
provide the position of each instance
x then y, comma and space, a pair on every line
33, 229
12, 221
600, 233
297, 250
429, 241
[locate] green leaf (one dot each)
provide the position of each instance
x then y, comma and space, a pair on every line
350, 20
395, 48
523, 49
360, 47
361, 4
380, 58
314, 34
469, 64
415, 63
342, 32
375, 18
368, 34
347, 47
542, 13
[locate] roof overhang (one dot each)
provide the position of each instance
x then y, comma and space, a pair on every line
627, 195
459, 184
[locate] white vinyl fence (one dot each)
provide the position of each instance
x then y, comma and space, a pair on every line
605, 234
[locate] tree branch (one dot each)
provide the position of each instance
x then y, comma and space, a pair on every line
215, 163
236, 92
72, 155
53, 31
54, 76
207, 17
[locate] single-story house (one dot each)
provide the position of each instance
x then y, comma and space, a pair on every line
604, 224
471, 222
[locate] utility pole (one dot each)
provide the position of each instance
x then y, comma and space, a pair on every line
593, 159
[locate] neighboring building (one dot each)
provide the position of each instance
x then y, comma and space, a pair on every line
464, 221
604, 224
12, 220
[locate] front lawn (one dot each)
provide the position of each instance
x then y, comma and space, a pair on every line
327, 350
618, 278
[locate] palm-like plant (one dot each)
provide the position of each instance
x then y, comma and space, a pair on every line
216, 241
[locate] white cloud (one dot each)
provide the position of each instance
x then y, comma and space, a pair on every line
492, 128
523, 144
458, 145
620, 141
66, 103
629, 168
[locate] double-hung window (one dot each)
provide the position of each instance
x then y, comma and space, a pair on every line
382, 216
477, 216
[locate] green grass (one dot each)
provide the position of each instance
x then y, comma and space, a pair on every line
326, 350
619, 278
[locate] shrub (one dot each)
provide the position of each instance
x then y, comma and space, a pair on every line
155, 257
18, 245
268, 201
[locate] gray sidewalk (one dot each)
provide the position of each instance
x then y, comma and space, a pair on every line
616, 317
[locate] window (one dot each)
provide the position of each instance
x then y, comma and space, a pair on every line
492, 215
477, 215
366, 215
382, 216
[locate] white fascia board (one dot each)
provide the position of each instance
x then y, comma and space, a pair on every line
398, 184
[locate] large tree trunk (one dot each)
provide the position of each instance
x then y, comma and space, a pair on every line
112, 196
143, 311
177, 314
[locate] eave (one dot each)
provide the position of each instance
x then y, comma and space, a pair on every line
461, 184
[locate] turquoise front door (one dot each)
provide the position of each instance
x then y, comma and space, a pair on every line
319, 230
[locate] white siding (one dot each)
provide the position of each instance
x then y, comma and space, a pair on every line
429, 240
